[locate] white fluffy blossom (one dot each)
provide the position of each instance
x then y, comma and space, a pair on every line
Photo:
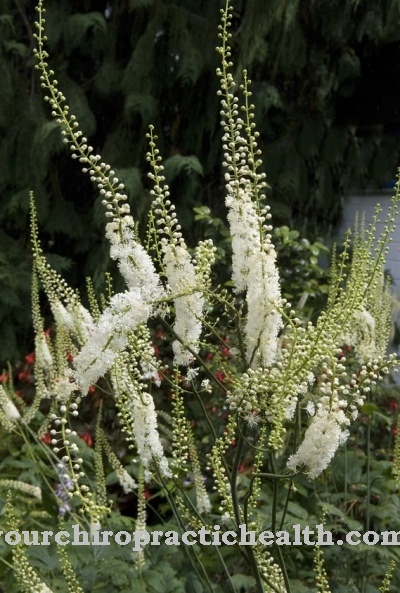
42, 588
254, 269
244, 229
128, 484
263, 319
310, 408
75, 318
145, 428
34, 491
9, 409
135, 264
321, 440
182, 278
42, 351
109, 337
203, 502
146, 435
361, 335
63, 386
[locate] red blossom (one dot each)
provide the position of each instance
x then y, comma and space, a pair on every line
87, 437
47, 438
220, 376
226, 352
23, 376
160, 334
4, 377
30, 358
156, 350
91, 389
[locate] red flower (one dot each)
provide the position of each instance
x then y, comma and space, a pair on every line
226, 352
23, 375
91, 389
220, 376
30, 358
4, 377
47, 438
393, 405
87, 437
160, 334
156, 350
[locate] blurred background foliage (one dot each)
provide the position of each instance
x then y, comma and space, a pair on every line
326, 106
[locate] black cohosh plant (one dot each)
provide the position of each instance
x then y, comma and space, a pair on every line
287, 392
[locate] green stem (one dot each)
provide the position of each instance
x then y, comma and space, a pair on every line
181, 525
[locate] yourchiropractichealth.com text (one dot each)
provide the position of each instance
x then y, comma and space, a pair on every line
76, 536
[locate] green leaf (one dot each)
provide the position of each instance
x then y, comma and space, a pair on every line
297, 511
368, 409
179, 164
142, 104
243, 581
17, 48
193, 585
47, 141
78, 25
135, 4
163, 579
79, 106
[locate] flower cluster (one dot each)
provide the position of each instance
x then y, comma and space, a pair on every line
253, 255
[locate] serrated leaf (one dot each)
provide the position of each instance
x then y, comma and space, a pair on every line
163, 579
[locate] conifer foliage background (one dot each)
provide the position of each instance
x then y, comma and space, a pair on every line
126, 63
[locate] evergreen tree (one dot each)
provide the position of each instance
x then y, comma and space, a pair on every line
125, 64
